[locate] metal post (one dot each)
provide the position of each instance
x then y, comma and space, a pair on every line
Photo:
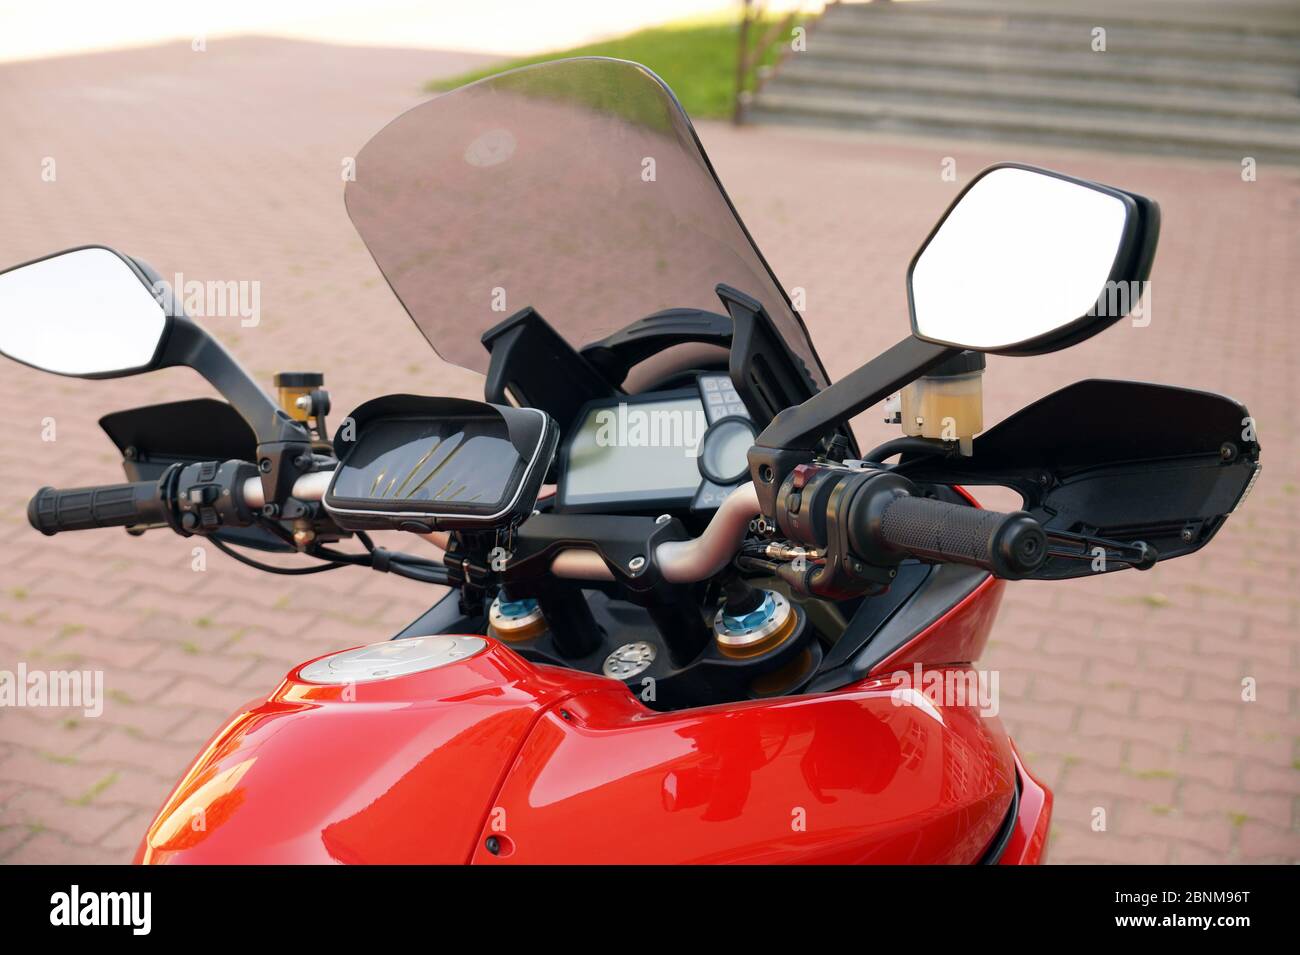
742, 62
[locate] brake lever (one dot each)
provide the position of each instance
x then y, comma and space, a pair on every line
1139, 554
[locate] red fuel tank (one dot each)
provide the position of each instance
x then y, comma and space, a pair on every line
455, 749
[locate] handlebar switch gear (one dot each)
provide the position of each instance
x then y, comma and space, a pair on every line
814, 509
209, 496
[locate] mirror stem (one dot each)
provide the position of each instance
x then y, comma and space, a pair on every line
189, 345
803, 426
283, 445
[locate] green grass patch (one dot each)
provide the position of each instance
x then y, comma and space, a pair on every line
696, 57
86, 798
1154, 774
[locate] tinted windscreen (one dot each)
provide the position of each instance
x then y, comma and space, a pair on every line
576, 187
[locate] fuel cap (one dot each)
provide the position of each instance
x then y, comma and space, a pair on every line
402, 657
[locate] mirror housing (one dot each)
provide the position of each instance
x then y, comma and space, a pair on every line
88, 312
1027, 261
799, 432
122, 308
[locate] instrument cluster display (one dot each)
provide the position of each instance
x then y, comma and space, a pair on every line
673, 450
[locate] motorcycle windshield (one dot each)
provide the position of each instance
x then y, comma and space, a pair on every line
577, 187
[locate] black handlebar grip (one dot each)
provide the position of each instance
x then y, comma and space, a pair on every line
1006, 545
109, 505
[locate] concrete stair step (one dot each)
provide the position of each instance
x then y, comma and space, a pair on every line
1080, 57
1040, 33
815, 78
1031, 65
1213, 17
1017, 124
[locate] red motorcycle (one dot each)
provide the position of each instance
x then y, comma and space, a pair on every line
689, 620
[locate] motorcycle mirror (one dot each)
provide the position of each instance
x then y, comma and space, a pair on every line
87, 312
1028, 261
92, 312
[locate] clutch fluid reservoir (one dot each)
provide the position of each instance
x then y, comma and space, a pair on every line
948, 402
292, 385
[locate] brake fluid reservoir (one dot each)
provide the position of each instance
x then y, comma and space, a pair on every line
948, 402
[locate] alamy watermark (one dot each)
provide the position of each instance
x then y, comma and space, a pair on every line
1118, 299
53, 688
629, 426
133, 910
213, 299
949, 686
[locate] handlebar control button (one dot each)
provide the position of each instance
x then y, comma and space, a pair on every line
801, 475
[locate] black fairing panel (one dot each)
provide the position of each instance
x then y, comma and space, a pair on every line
201, 429
1123, 460
154, 437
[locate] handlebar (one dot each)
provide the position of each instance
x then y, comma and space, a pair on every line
702, 557
859, 524
308, 487
110, 505
1006, 545
183, 497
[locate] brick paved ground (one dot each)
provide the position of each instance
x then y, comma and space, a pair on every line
1123, 692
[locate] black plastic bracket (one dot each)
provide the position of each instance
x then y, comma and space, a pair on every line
806, 424
796, 434
619, 539
283, 445
615, 355
532, 361
768, 377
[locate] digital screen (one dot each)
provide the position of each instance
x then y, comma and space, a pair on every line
636, 451
469, 464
